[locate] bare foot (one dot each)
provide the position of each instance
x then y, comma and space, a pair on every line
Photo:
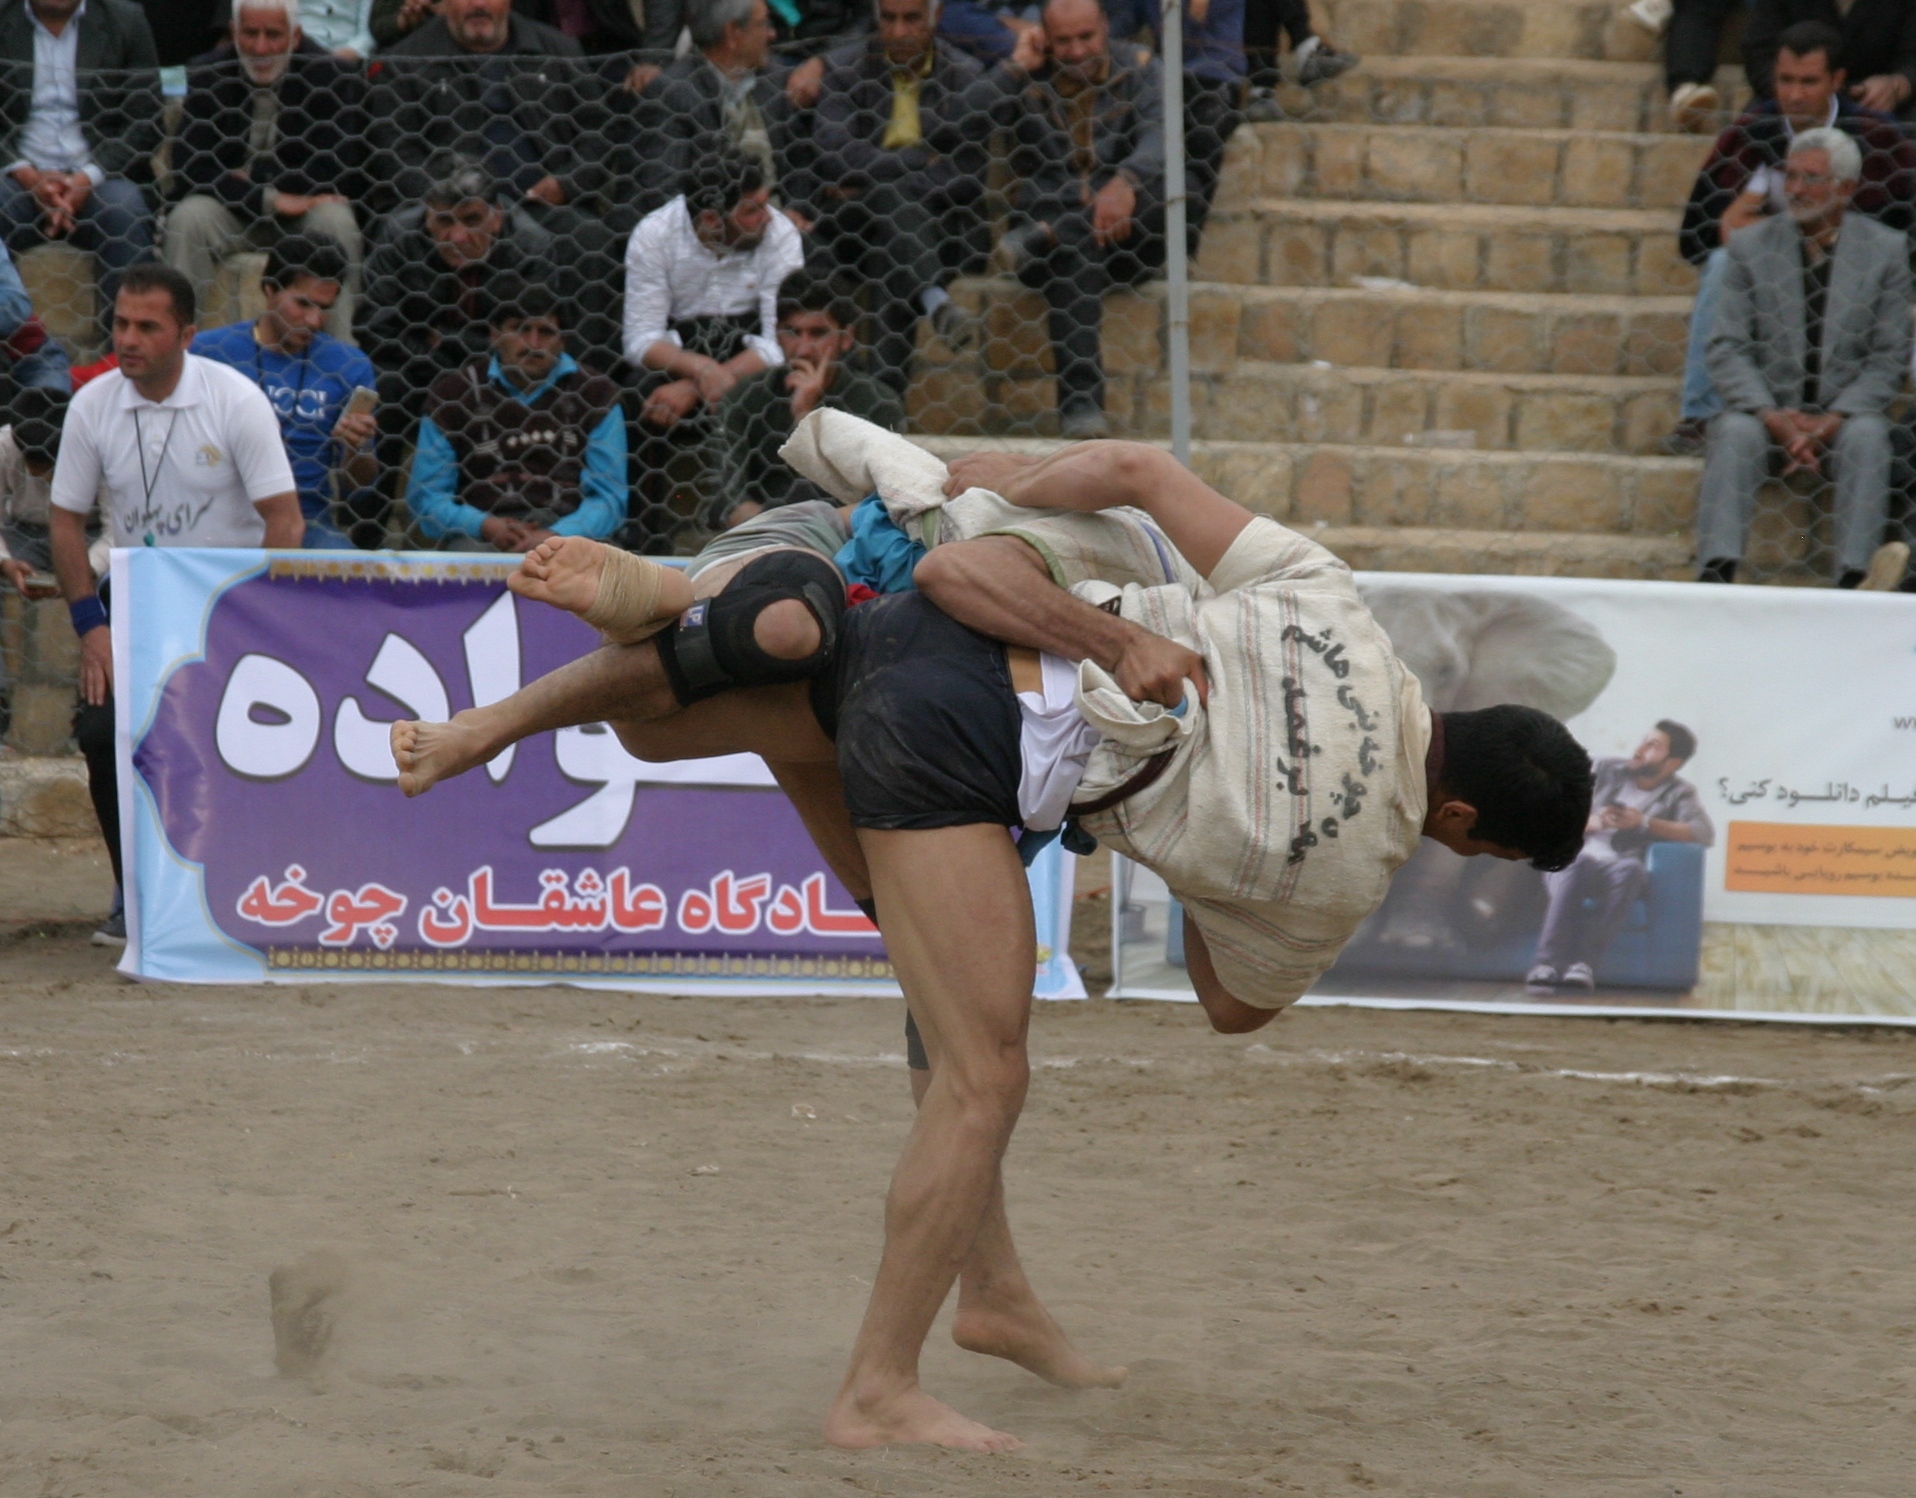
909, 1418
563, 572
1029, 1337
428, 753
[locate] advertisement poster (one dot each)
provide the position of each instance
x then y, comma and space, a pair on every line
1770, 868
266, 836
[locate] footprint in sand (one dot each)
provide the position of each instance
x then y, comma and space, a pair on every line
305, 1302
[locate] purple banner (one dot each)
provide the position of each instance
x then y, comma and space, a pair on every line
267, 762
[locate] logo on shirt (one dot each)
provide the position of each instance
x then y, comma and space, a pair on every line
208, 456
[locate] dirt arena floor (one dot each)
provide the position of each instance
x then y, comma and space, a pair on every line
606, 1244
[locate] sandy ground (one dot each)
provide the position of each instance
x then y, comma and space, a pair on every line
605, 1244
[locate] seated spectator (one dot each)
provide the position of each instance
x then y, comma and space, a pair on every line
28, 354
1741, 183
1695, 30
701, 288
76, 136
899, 142
597, 25
817, 331
725, 90
28, 447
1636, 802
522, 445
1087, 131
309, 376
341, 27
1214, 72
1878, 46
1810, 344
423, 312
271, 144
485, 82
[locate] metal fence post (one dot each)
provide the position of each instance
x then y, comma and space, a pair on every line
1176, 271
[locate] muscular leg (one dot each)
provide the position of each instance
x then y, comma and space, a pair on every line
936, 890
624, 685
1000, 1315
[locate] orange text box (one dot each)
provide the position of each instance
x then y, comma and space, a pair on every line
1777, 858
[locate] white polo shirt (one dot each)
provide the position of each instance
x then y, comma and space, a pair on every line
185, 471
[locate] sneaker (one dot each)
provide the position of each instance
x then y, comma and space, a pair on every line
1083, 424
1886, 568
1321, 63
1652, 15
1019, 247
956, 326
1688, 437
1261, 106
1694, 107
1541, 979
1578, 975
112, 932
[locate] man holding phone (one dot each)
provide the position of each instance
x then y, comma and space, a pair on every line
321, 389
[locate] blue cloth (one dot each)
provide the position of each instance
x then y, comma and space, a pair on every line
1213, 47
308, 392
977, 29
47, 365
432, 490
1700, 400
879, 554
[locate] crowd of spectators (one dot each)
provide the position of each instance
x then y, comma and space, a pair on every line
1800, 336
658, 170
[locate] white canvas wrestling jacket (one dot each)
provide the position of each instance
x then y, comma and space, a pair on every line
1293, 797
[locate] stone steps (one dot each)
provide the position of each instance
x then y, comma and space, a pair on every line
1452, 246
1440, 164
1594, 30
1391, 407
1649, 502
1524, 93
1504, 332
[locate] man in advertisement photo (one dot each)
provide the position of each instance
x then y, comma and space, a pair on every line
1636, 802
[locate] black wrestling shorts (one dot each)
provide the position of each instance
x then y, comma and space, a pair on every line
925, 718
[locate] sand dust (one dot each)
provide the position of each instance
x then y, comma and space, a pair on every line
547, 1241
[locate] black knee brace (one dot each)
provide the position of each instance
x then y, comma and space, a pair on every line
712, 649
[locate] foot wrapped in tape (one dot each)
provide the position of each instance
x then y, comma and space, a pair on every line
625, 597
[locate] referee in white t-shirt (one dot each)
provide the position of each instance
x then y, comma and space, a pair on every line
182, 452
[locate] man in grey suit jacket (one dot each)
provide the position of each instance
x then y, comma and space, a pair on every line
1810, 345
79, 118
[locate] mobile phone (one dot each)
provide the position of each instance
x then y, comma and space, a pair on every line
362, 401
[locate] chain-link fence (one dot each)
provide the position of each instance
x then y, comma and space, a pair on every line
1439, 311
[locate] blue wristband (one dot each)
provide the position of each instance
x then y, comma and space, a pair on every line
87, 614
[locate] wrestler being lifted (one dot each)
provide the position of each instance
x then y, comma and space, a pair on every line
1271, 760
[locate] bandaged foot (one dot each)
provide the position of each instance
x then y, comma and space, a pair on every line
627, 598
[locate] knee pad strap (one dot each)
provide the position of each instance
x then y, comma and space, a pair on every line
713, 647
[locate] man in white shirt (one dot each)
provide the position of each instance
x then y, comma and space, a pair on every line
79, 115
701, 303
179, 451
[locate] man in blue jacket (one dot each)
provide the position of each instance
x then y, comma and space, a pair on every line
522, 445
309, 376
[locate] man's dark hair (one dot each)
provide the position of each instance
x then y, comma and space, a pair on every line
317, 255
808, 291
455, 180
723, 176
1806, 37
514, 299
38, 416
152, 275
1529, 780
1682, 741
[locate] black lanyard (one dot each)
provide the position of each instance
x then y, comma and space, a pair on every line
149, 483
